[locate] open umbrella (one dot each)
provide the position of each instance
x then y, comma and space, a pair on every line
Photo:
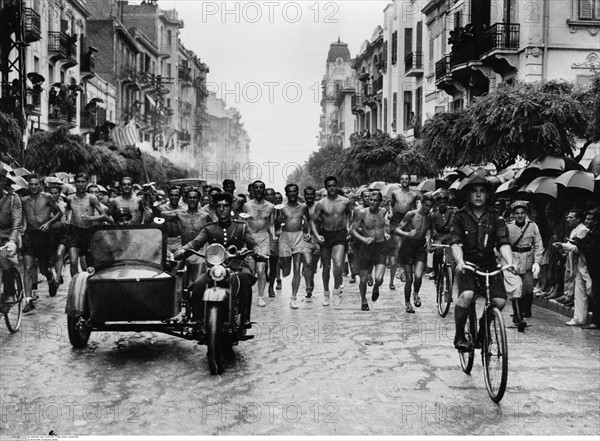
549, 164
594, 166
52, 180
21, 172
388, 189
377, 185
482, 171
63, 176
541, 185
68, 189
464, 171
432, 184
577, 179
360, 189
458, 184
507, 186
19, 182
6, 167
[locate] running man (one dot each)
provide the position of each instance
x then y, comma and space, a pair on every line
293, 250
414, 229
261, 220
172, 224
333, 214
128, 200
368, 227
40, 211
403, 200
311, 243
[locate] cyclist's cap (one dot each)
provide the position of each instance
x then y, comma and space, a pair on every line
477, 180
122, 212
519, 204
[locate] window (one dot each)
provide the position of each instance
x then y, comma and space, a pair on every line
385, 110
408, 113
457, 19
589, 9
169, 37
394, 47
408, 37
168, 70
395, 111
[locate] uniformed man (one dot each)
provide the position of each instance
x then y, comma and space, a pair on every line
477, 229
11, 221
226, 232
527, 252
441, 223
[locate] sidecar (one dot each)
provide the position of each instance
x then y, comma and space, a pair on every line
129, 286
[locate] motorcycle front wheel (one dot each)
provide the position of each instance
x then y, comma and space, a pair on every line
214, 338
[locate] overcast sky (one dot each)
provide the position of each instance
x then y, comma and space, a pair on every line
270, 57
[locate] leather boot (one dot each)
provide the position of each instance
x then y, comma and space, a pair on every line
517, 318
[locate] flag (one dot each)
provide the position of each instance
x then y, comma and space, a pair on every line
125, 134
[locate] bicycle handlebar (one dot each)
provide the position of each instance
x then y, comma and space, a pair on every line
480, 272
440, 245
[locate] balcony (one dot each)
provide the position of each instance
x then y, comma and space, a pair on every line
500, 46
62, 47
442, 69
501, 37
34, 102
378, 84
88, 63
62, 114
184, 136
413, 64
356, 103
185, 75
130, 77
31, 25
463, 53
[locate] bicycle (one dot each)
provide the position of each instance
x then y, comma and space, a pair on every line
492, 341
13, 310
444, 280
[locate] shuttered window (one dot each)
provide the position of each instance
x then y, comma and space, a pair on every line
589, 9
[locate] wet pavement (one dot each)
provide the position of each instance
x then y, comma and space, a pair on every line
316, 370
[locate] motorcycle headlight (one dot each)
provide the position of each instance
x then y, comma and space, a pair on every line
216, 254
218, 273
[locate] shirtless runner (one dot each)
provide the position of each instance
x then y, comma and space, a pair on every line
172, 224
81, 207
333, 213
311, 243
128, 200
415, 245
293, 248
402, 201
261, 220
40, 211
368, 227
191, 222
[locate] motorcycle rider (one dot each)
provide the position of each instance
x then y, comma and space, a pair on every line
227, 232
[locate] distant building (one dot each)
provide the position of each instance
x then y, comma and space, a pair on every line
338, 86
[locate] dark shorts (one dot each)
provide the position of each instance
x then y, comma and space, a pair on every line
368, 256
468, 281
78, 238
412, 251
59, 236
333, 238
37, 243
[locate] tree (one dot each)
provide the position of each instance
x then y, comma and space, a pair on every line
511, 122
10, 137
320, 164
59, 150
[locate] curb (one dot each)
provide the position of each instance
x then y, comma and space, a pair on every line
553, 305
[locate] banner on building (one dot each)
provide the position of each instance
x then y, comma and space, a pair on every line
125, 134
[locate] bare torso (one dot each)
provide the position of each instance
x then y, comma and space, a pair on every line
417, 222
261, 215
134, 204
171, 224
371, 224
82, 205
191, 223
402, 202
333, 214
37, 210
294, 217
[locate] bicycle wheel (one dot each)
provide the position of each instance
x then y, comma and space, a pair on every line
466, 358
13, 311
494, 356
444, 291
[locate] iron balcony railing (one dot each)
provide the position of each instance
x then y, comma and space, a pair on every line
413, 60
62, 113
378, 84
502, 36
57, 43
32, 25
442, 68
